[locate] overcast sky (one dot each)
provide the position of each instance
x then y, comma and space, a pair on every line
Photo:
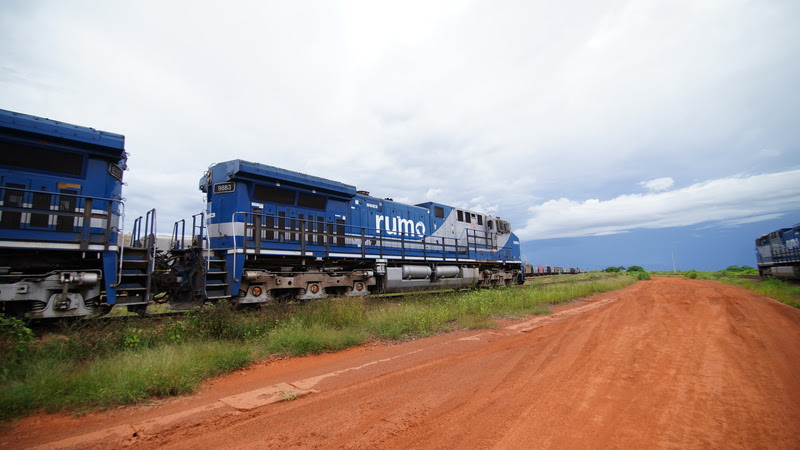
571, 119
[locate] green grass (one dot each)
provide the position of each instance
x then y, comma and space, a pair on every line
730, 271
772, 288
91, 364
295, 339
129, 376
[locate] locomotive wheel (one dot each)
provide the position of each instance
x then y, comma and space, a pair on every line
138, 309
101, 310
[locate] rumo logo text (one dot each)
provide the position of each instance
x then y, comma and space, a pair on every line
395, 226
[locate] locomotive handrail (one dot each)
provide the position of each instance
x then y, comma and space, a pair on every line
150, 228
261, 229
65, 194
205, 244
136, 232
81, 201
779, 255
120, 237
81, 208
244, 240
174, 239
202, 225
150, 242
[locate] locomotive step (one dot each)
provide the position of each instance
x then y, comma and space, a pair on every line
135, 263
131, 287
129, 256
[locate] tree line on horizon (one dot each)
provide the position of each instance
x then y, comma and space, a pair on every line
617, 269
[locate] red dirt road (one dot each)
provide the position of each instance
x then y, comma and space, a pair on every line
664, 363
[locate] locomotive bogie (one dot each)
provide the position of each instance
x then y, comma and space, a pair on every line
262, 286
54, 294
786, 272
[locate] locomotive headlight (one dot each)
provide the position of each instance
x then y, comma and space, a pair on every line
115, 171
256, 291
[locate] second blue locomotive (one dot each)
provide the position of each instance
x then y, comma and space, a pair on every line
283, 234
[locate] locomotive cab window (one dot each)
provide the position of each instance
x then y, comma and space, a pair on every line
438, 211
480, 219
460, 215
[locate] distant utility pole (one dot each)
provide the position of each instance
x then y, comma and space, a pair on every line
674, 270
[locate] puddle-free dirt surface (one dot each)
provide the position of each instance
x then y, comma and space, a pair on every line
664, 363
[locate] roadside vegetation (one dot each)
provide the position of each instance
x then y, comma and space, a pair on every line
773, 288
635, 271
88, 364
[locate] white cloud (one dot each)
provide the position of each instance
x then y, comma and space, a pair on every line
770, 152
658, 184
433, 194
744, 221
510, 102
737, 199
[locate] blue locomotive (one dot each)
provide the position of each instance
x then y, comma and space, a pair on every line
60, 214
778, 253
275, 233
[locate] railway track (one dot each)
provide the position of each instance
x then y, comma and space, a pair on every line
751, 277
158, 316
760, 278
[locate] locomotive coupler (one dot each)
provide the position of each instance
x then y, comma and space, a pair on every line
62, 302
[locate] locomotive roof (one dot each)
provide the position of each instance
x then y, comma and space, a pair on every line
26, 124
428, 205
261, 172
